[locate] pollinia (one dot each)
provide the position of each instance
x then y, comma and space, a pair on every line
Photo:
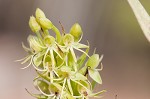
60, 73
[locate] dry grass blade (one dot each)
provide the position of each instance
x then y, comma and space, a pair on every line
142, 17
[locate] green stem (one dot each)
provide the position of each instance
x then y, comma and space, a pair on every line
38, 35
58, 35
46, 32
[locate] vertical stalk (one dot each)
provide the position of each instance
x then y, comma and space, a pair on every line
58, 35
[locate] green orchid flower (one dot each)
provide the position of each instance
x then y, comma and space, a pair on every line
70, 45
70, 77
90, 68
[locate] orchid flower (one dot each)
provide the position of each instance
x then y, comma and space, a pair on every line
60, 73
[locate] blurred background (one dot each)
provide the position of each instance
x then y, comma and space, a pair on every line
109, 25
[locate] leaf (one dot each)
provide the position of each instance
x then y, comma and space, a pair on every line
142, 17
94, 74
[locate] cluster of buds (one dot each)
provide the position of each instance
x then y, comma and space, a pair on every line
60, 73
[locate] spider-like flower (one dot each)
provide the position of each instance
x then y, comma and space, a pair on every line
60, 73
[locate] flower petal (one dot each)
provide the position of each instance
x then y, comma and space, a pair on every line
94, 74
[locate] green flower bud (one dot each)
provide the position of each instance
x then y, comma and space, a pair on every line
76, 31
39, 14
49, 40
93, 61
35, 27
68, 39
45, 23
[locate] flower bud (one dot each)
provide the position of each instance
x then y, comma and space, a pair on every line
68, 39
76, 31
35, 27
39, 13
93, 61
45, 23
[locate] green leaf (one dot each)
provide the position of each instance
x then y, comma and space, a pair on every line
94, 74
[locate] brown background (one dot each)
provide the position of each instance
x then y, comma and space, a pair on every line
109, 25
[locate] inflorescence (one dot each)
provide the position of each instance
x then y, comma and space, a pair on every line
60, 73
